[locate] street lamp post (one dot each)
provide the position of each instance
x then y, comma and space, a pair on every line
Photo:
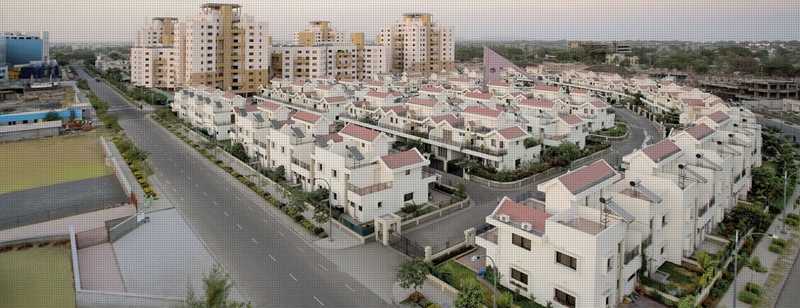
495, 269
330, 208
736, 259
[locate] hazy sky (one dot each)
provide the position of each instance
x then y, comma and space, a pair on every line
699, 20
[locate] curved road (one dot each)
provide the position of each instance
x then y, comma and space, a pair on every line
270, 264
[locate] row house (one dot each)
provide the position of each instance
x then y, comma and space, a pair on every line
291, 144
547, 121
366, 180
569, 250
208, 109
594, 112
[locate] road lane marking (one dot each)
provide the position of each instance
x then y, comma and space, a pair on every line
290, 275
254, 241
205, 194
319, 301
226, 213
273, 258
349, 288
281, 233
322, 267
197, 185
216, 203
238, 226
300, 248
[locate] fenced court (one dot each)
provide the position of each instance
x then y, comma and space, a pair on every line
43, 162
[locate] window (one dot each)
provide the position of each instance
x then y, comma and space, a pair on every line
521, 242
663, 221
360, 209
519, 276
662, 251
333, 173
610, 264
380, 204
564, 299
408, 197
408, 172
566, 260
334, 196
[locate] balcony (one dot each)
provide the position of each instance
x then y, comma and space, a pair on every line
301, 163
371, 189
485, 150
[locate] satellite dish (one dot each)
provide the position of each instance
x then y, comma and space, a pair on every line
681, 166
602, 200
698, 155
633, 183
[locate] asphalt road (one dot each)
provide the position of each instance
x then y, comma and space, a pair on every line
642, 132
789, 297
271, 265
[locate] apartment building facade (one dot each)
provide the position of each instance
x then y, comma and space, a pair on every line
220, 47
417, 44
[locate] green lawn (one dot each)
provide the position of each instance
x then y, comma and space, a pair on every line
37, 277
42, 162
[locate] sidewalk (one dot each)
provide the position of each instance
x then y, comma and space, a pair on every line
768, 259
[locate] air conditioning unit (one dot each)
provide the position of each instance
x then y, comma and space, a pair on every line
526, 226
503, 218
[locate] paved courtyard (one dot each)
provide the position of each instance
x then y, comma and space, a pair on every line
163, 257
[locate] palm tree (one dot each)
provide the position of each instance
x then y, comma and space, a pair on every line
217, 288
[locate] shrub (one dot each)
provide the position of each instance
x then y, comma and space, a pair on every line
754, 288
748, 297
755, 264
775, 249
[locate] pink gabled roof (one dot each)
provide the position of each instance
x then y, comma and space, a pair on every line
379, 94
511, 132
570, 119
449, 118
521, 213
585, 177
542, 87
478, 95
229, 95
578, 91
324, 87
359, 132
661, 150
498, 83
428, 102
269, 105
718, 117
598, 103
538, 103
694, 102
700, 131
306, 117
399, 109
402, 159
335, 99
482, 111
430, 88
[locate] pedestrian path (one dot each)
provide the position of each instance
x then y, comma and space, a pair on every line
767, 258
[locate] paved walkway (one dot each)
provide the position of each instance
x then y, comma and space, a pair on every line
767, 260
99, 269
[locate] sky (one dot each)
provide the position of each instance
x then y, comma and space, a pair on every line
690, 20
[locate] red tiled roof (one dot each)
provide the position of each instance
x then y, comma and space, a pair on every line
478, 95
498, 83
578, 91
512, 132
538, 103
542, 87
521, 213
400, 109
718, 116
661, 150
402, 159
483, 111
335, 99
570, 119
586, 176
378, 94
429, 102
324, 87
699, 131
359, 132
306, 117
229, 95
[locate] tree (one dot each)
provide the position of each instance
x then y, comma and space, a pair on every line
505, 300
412, 273
217, 287
237, 150
471, 295
52, 116
321, 214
